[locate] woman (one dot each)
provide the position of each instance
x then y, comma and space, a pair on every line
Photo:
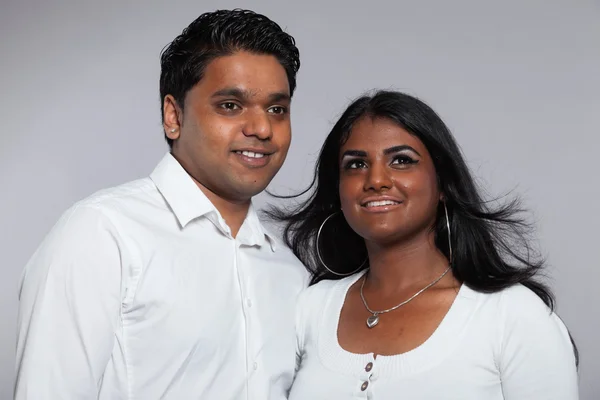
420, 289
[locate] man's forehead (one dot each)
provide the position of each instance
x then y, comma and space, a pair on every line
251, 72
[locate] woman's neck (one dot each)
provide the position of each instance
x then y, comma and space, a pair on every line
403, 266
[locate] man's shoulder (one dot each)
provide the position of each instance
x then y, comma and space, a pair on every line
284, 255
112, 207
139, 190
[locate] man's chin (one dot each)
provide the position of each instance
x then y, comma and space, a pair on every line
246, 187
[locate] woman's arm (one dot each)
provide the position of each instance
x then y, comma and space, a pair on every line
537, 359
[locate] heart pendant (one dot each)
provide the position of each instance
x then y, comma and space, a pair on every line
372, 321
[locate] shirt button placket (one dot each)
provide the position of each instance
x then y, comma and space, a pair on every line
252, 362
367, 379
247, 320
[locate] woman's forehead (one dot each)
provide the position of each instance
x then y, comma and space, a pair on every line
380, 133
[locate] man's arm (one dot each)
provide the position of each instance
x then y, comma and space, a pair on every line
70, 299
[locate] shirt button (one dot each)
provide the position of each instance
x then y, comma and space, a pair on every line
364, 386
369, 367
255, 366
249, 303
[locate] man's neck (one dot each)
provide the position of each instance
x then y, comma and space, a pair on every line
233, 211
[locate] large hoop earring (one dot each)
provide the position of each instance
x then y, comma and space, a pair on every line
321, 258
449, 234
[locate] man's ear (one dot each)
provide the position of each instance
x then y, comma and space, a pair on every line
172, 117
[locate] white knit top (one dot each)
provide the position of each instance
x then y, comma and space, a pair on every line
506, 345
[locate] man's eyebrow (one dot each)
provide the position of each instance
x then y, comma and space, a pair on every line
233, 92
247, 95
279, 96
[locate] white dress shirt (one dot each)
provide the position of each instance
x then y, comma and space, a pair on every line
489, 346
141, 292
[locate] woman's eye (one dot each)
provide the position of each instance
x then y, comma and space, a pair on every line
355, 164
278, 110
403, 160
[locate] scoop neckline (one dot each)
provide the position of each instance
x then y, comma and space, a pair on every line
431, 352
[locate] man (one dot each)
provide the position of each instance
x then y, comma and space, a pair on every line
169, 287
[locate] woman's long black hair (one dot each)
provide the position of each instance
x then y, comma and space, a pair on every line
490, 244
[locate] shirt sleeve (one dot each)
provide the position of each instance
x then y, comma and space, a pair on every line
537, 359
69, 308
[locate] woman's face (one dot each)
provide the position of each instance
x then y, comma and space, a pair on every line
388, 186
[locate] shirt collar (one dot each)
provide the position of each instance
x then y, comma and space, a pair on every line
257, 234
179, 190
188, 202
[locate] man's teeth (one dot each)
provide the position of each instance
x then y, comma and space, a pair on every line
251, 154
381, 203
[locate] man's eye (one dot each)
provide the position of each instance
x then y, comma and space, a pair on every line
278, 110
229, 106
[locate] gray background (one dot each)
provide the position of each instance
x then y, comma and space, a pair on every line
517, 81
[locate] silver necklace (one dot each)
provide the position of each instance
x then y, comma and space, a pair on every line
373, 320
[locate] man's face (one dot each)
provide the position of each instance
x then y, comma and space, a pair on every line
235, 131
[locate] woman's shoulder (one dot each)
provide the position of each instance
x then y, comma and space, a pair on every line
521, 321
518, 310
517, 298
320, 291
519, 301
513, 308
313, 300
316, 300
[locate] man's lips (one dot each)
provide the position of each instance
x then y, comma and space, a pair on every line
254, 152
251, 154
253, 157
